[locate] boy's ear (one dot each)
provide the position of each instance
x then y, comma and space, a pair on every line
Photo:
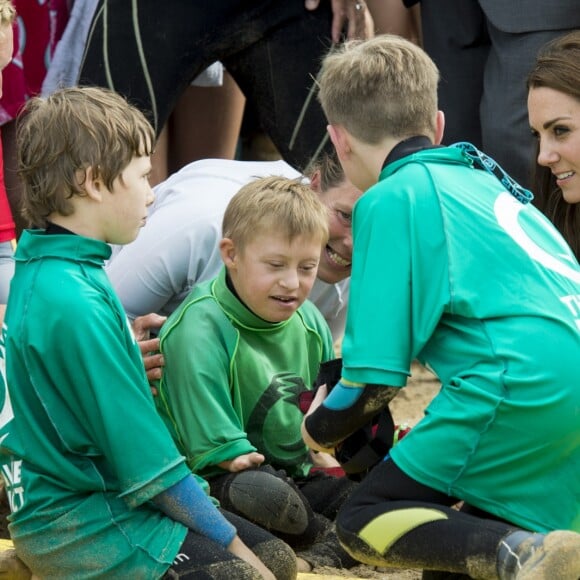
92, 184
439, 127
340, 140
228, 252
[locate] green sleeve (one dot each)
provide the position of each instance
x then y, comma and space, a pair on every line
198, 346
399, 282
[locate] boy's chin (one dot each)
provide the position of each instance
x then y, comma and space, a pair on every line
278, 316
122, 240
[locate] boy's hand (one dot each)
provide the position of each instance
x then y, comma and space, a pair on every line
243, 462
355, 12
149, 347
239, 549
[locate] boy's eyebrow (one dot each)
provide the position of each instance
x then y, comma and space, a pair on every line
286, 256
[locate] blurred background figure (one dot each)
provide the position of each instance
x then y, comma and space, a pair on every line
484, 50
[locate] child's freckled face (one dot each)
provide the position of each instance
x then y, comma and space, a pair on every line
273, 275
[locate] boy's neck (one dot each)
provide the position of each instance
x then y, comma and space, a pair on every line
56, 229
408, 146
76, 224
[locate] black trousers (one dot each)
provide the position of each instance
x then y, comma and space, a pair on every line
150, 53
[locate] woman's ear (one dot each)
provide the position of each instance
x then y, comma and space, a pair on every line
228, 252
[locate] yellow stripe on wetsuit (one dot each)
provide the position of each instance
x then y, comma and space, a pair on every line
382, 532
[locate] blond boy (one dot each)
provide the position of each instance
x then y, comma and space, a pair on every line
240, 350
452, 265
96, 484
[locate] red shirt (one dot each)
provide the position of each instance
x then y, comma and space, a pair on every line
7, 227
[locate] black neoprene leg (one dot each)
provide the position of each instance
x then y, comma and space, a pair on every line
273, 49
392, 520
326, 493
202, 559
270, 499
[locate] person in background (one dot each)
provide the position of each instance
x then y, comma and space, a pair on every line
36, 30
554, 116
7, 225
484, 50
272, 51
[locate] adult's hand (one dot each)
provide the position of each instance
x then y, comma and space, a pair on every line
152, 358
354, 12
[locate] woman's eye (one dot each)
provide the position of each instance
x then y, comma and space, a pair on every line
559, 131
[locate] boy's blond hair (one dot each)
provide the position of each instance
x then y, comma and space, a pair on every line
62, 135
382, 87
7, 12
275, 205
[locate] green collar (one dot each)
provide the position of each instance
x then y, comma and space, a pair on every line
36, 245
450, 155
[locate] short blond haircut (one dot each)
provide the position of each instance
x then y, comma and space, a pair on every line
275, 205
382, 87
62, 135
7, 12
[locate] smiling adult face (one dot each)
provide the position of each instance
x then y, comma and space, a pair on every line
339, 196
555, 121
554, 116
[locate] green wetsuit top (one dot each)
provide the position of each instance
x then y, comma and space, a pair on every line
232, 380
83, 447
449, 268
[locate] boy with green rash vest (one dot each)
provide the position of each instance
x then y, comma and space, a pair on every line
96, 485
452, 265
238, 353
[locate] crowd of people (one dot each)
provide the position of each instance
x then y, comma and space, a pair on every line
157, 341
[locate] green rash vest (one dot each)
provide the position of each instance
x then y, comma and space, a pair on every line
83, 447
232, 380
451, 269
